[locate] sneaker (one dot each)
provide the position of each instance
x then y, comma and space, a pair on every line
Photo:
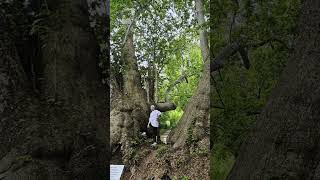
154, 144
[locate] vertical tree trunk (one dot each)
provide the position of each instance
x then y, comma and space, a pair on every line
132, 78
193, 127
60, 133
151, 80
203, 33
155, 86
284, 143
130, 110
152, 75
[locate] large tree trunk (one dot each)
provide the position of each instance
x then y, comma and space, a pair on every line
284, 143
193, 127
129, 114
60, 133
132, 83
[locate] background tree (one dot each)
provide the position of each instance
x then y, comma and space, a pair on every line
283, 143
264, 30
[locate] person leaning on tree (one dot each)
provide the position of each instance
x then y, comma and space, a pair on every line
153, 121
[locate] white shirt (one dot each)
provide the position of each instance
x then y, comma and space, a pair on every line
153, 119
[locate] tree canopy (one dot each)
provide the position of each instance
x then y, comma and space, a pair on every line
167, 48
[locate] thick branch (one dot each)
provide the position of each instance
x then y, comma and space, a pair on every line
226, 52
218, 62
231, 49
165, 106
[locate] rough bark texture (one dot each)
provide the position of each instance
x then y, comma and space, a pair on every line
193, 127
132, 77
284, 143
130, 110
61, 132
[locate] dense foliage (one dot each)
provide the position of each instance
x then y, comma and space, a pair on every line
166, 46
238, 95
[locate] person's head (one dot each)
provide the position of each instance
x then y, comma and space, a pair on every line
152, 107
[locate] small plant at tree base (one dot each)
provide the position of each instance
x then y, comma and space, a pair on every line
161, 151
184, 178
190, 140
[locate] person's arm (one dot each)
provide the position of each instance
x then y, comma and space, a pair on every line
148, 123
159, 114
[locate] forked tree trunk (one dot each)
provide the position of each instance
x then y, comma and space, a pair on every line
60, 133
130, 109
284, 143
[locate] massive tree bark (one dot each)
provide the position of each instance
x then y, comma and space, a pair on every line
284, 143
193, 127
129, 113
61, 131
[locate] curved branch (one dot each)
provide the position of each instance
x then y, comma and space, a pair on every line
218, 62
183, 76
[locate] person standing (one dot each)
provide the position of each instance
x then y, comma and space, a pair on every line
153, 121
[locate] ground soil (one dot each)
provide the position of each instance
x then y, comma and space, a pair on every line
153, 163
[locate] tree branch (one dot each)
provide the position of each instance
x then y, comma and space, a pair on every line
179, 80
217, 62
165, 106
262, 43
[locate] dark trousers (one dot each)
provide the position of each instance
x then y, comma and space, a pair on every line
156, 134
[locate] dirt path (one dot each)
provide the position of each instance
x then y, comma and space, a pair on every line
179, 164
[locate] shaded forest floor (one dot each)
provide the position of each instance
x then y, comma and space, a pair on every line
155, 162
